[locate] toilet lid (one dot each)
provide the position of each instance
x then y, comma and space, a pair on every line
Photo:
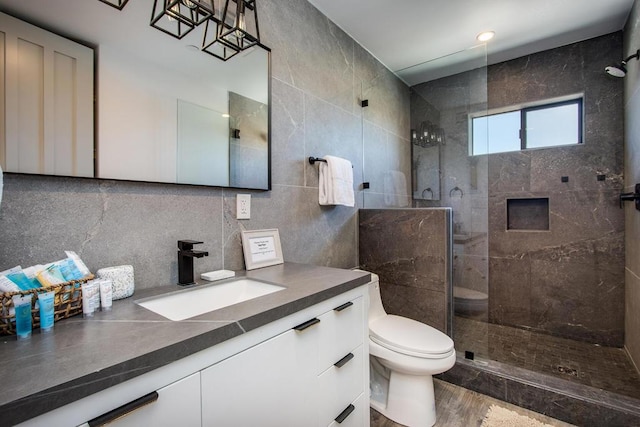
410, 337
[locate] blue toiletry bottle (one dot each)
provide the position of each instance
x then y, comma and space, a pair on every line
45, 301
22, 306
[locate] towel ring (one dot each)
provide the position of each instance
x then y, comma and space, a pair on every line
429, 190
456, 189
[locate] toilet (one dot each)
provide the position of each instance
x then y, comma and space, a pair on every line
469, 302
404, 355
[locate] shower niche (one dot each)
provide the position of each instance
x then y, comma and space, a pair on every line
528, 214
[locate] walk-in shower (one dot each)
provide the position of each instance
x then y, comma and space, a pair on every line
538, 236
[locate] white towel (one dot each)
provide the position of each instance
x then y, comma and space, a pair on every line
395, 189
336, 182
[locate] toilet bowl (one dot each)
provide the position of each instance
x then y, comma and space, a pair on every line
404, 355
469, 302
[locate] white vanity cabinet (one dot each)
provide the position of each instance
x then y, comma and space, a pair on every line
306, 376
309, 368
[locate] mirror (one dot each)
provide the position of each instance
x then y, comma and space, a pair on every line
165, 111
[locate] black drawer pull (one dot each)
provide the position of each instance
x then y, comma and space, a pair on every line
344, 414
343, 306
124, 410
340, 363
307, 324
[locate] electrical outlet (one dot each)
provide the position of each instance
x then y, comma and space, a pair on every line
243, 206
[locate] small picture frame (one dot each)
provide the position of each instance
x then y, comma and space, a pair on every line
261, 248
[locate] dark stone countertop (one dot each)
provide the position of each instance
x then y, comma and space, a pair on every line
84, 356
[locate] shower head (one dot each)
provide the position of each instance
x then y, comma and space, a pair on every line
621, 69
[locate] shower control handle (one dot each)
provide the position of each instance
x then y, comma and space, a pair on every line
626, 197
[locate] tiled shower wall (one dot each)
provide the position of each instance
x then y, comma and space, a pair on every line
569, 280
410, 249
632, 176
318, 76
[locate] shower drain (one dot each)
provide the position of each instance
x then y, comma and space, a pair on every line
567, 371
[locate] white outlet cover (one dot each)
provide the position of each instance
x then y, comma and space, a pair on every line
243, 206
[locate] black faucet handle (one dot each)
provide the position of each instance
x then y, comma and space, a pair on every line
186, 245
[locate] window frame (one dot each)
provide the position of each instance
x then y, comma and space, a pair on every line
577, 99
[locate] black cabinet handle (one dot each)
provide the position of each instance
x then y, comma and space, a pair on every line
343, 306
124, 410
344, 414
307, 324
340, 363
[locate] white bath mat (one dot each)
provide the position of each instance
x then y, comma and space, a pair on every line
497, 416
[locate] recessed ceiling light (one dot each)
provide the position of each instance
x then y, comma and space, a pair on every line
225, 115
485, 36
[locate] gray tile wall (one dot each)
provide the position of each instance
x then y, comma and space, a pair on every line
318, 76
410, 250
568, 281
632, 176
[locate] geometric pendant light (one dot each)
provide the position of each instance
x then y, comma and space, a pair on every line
178, 17
239, 24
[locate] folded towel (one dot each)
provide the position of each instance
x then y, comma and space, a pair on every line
395, 189
336, 182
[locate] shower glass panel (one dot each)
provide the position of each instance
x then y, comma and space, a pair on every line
386, 148
445, 174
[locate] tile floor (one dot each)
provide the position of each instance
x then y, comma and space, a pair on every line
605, 368
459, 407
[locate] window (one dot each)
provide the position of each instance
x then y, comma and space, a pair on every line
548, 125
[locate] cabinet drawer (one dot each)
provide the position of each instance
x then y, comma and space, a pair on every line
340, 385
176, 404
358, 416
341, 331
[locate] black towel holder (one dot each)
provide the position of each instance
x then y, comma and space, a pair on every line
313, 160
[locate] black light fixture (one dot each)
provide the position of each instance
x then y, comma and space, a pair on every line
118, 4
239, 24
212, 45
225, 34
178, 17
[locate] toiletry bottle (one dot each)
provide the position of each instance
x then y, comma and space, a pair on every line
87, 299
23, 315
45, 301
106, 294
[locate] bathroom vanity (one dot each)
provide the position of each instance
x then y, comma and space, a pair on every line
294, 357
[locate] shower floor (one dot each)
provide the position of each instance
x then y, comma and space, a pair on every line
606, 368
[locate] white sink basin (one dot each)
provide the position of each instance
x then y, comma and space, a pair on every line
205, 298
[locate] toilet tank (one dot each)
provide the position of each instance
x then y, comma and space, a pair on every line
376, 310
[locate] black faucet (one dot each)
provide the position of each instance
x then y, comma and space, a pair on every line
186, 254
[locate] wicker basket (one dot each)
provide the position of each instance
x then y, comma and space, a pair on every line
67, 303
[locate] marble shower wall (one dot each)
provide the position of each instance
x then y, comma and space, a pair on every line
569, 280
318, 76
410, 249
632, 176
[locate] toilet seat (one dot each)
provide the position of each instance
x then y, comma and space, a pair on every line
410, 337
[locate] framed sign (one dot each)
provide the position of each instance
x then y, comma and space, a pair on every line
261, 248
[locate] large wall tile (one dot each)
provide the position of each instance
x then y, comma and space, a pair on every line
309, 51
309, 233
330, 130
287, 134
109, 223
409, 249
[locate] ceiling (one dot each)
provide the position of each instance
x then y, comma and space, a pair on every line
420, 40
